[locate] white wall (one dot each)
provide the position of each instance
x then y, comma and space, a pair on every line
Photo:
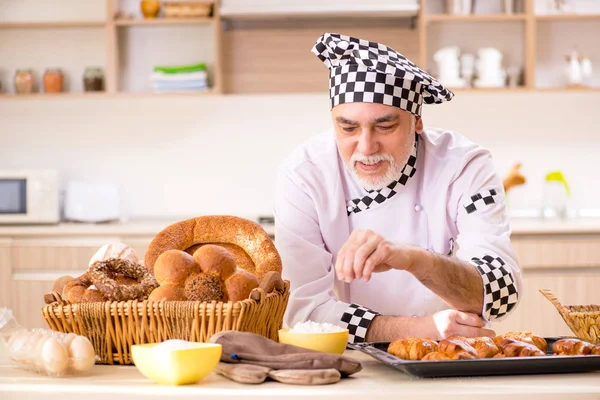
176, 156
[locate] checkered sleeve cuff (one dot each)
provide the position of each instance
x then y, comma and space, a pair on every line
357, 319
499, 285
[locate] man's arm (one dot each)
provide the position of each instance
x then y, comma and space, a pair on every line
455, 281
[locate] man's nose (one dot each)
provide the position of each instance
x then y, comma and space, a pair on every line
367, 143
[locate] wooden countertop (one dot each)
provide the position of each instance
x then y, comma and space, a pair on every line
373, 382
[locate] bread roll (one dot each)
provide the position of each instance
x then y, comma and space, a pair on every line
60, 283
167, 293
205, 287
240, 284
214, 260
246, 234
174, 266
242, 259
75, 289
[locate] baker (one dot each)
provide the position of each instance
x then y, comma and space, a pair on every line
385, 227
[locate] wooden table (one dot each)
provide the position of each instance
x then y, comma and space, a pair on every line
375, 381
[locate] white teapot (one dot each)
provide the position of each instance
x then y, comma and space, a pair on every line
489, 68
447, 60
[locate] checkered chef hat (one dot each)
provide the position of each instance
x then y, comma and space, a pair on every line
363, 71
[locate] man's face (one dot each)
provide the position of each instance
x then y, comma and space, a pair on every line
374, 141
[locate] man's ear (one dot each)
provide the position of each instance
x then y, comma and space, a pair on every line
419, 125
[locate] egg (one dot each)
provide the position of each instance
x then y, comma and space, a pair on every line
81, 354
67, 339
37, 353
55, 356
29, 351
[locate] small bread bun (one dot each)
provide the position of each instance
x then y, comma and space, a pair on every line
60, 283
167, 293
215, 260
205, 287
240, 284
173, 267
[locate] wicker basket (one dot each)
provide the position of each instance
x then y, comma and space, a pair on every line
113, 327
584, 321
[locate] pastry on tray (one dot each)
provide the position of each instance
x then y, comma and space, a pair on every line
509, 345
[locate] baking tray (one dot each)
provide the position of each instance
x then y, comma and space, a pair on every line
483, 366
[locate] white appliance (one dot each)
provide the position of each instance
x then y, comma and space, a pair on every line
29, 197
92, 202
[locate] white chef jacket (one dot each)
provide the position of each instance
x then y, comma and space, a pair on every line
453, 204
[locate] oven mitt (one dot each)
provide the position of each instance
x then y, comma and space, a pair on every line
253, 374
251, 348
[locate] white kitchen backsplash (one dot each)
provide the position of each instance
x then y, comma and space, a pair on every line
176, 156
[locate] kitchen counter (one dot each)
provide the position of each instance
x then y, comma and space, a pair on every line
374, 381
150, 227
145, 227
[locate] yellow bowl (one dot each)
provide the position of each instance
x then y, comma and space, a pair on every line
176, 367
327, 342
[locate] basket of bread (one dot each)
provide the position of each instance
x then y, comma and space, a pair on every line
583, 320
198, 277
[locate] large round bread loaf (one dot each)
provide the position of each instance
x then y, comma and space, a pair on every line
219, 229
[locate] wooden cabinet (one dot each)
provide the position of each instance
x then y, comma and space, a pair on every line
568, 265
30, 265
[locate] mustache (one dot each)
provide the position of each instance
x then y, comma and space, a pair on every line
372, 159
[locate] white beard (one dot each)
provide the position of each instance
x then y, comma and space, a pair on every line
393, 172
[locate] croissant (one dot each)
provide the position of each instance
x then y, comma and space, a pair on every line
457, 347
516, 348
435, 356
485, 346
573, 347
412, 348
527, 337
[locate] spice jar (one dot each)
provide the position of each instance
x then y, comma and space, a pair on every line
53, 81
24, 81
93, 79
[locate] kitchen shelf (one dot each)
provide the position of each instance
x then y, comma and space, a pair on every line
164, 21
474, 18
52, 24
91, 95
242, 52
568, 17
52, 95
322, 11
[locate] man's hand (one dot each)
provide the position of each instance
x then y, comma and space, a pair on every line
451, 322
366, 252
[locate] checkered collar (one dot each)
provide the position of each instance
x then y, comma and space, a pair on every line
359, 204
